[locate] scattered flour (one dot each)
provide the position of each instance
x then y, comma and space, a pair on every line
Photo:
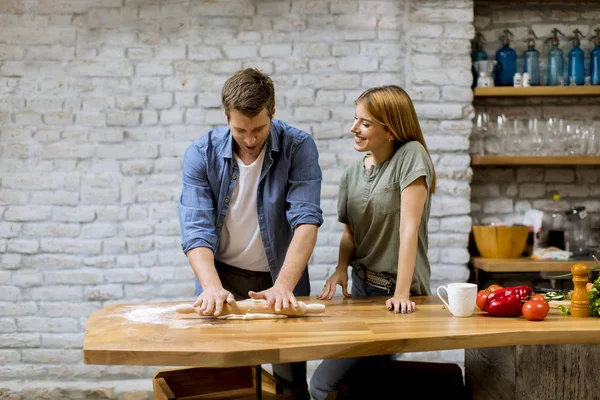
151, 315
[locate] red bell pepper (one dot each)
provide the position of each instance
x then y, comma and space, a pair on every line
507, 302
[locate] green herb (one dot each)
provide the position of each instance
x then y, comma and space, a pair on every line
564, 310
594, 297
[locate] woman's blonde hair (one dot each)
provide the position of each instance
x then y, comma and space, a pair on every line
391, 107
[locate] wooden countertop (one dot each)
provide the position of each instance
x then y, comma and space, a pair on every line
153, 334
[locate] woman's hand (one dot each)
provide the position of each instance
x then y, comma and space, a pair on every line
400, 304
339, 277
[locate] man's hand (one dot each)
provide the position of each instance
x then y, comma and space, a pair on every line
278, 296
339, 277
400, 304
211, 300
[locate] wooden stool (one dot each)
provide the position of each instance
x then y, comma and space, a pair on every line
238, 383
400, 379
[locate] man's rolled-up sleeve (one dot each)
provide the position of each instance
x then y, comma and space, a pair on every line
196, 209
304, 194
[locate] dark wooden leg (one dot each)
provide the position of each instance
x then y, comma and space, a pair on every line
258, 381
561, 372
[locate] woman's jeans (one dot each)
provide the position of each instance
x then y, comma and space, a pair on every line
331, 372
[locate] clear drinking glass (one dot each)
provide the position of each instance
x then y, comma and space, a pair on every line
480, 132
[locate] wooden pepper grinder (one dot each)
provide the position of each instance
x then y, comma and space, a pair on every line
580, 303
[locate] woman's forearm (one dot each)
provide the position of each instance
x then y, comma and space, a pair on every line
407, 257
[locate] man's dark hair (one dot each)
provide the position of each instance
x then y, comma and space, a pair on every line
248, 91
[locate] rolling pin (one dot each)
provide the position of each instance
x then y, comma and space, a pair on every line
251, 306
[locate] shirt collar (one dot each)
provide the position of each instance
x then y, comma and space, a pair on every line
274, 144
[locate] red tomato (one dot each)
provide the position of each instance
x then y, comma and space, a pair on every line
535, 310
494, 287
481, 298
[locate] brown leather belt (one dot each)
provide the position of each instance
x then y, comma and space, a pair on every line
380, 280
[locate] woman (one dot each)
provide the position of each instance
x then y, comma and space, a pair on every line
384, 203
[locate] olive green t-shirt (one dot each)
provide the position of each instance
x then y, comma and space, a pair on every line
369, 201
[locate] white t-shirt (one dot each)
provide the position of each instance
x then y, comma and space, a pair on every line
241, 245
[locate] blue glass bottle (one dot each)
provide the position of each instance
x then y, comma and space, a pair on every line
555, 60
478, 54
595, 59
507, 62
576, 60
531, 60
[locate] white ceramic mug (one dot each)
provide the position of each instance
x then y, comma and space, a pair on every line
461, 298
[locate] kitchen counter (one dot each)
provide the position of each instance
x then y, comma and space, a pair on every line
153, 334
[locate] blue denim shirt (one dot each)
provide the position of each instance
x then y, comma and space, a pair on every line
289, 192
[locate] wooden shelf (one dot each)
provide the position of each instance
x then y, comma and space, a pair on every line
537, 91
525, 264
535, 160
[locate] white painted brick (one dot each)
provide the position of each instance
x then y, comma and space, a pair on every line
23, 246
454, 255
171, 117
84, 247
312, 49
359, 64
424, 93
137, 167
447, 143
9, 357
126, 275
456, 224
19, 340
7, 325
97, 68
28, 118
40, 324
159, 68
63, 340
130, 102
120, 152
424, 29
442, 110
78, 277
70, 214
51, 356
62, 150
123, 118
240, 51
448, 205
326, 65
56, 293
128, 260
170, 52
453, 93
344, 49
68, 309
450, 240
139, 245
355, 35
26, 214
103, 292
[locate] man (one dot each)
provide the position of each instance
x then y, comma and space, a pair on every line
250, 208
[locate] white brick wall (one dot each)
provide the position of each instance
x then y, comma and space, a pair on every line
98, 101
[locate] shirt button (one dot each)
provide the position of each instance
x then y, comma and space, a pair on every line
234, 176
220, 225
227, 201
